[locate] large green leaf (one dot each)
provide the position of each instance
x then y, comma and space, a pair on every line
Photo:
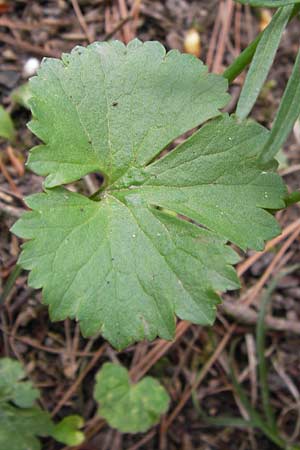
127, 264
131, 408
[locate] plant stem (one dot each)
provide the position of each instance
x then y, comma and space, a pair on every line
255, 418
242, 61
245, 58
262, 363
292, 198
10, 283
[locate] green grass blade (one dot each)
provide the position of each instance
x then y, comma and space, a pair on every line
268, 3
262, 61
260, 345
223, 421
289, 111
245, 58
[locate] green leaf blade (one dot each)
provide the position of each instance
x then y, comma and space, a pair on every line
262, 61
268, 3
109, 129
287, 114
127, 407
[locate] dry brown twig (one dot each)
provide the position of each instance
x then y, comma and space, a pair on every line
78, 381
223, 36
245, 265
9, 178
126, 31
19, 167
271, 268
81, 20
237, 27
214, 36
135, 13
189, 389
30, 48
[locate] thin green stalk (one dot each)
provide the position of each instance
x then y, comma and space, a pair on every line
260, 345
262, 363
287, 114
242, 61
224, 421
10, 283
292, 198
255, 418
268, 3
234, 422
245, 58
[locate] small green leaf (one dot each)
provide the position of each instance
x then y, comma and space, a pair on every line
7, 129
131, 408
268, 3
262, 61
22, 95
287, 114
20, 428
128, 264
67, 430
12, 388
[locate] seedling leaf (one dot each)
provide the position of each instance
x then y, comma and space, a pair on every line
68, 431
131, 408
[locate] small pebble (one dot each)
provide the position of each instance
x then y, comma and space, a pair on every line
30, 67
